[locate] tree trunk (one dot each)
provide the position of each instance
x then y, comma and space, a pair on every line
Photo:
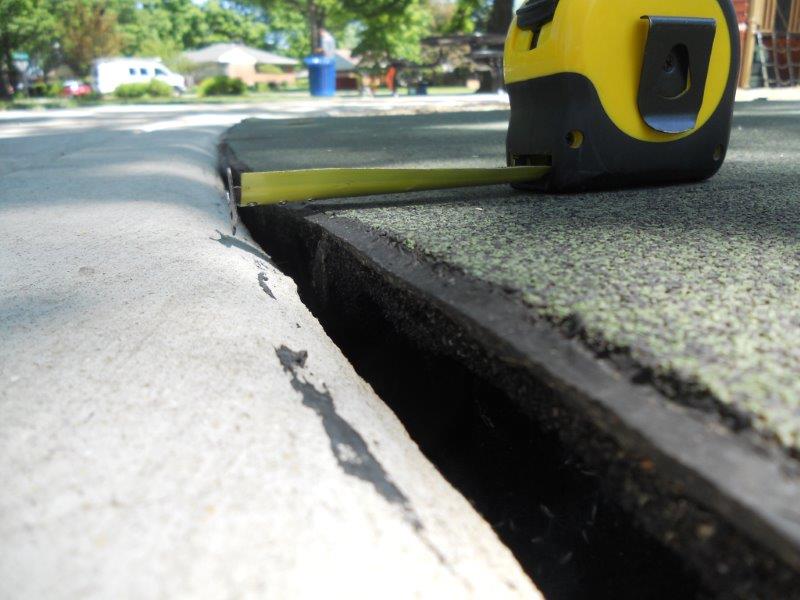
313, 29
500, 17
316, 20
499, 21
8, 75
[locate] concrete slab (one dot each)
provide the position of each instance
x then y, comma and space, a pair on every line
173, 420
685, 296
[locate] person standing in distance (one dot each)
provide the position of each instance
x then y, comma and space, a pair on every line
391, 79
327, 43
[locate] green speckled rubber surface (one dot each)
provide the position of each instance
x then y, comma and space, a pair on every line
699, 283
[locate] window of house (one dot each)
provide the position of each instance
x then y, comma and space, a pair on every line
143, 71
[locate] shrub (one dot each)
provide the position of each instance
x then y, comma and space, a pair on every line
159, 89
38, 90
131, 90
90, 97
222, 85
45, 90
54, 90
154, 89
263, 88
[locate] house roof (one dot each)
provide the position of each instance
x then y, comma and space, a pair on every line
236, 54
344, 60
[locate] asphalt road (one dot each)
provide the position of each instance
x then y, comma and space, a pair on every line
698, 284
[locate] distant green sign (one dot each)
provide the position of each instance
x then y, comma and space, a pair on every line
21, 61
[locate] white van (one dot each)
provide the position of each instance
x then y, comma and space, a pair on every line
110, 73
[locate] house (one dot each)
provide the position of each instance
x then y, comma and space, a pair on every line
251, 65
347, 77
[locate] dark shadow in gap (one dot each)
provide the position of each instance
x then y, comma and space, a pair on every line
550, 512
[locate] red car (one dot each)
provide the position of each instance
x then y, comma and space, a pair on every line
74, 88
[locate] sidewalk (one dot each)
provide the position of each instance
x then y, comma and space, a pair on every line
791, 94
173, 421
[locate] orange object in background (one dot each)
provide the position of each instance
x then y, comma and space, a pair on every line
391, 78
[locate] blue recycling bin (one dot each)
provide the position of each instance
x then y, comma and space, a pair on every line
321, 75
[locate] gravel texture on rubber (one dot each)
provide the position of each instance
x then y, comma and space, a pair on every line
699, 285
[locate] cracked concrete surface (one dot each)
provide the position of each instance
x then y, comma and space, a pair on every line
153, 443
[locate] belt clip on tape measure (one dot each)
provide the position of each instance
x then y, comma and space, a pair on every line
614, 93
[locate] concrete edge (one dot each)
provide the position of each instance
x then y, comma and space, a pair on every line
636, 414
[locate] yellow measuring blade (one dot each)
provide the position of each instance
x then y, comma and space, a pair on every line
274, 187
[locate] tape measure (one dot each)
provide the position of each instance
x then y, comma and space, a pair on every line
615, 93
604, 93
274, 187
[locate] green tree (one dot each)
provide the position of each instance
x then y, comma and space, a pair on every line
25, 26
335, 14
225, 24
183, 23
385, 37
287, 32
147, 27
489, 16
87, 30
164, 28
468, 16
383, 29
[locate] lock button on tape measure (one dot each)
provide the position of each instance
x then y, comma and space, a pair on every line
604, 93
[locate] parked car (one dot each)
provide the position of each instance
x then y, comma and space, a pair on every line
110, 73
72, 88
